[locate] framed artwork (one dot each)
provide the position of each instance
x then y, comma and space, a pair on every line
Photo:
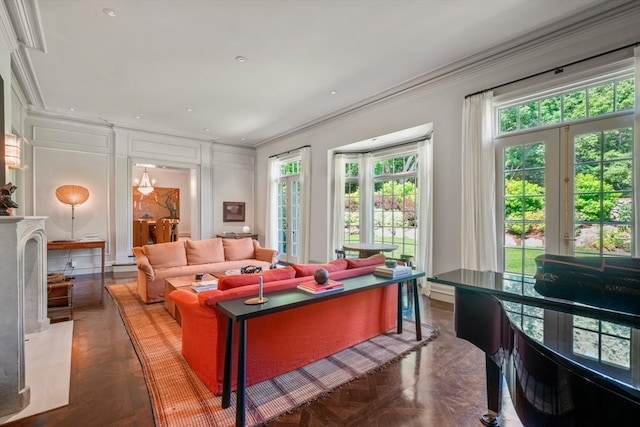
233, 211
161, 203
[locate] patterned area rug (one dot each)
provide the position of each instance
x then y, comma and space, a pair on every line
179, 398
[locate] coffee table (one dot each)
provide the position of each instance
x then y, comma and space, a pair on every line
181, 282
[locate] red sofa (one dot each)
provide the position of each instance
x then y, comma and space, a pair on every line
283, 341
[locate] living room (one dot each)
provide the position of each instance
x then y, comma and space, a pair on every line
100, 152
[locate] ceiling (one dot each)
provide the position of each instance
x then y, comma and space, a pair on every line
170, 65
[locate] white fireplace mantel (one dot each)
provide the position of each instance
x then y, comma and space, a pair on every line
23, 302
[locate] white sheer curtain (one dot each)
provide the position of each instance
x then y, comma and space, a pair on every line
271, 227
366, 197
478, 227
339, 161
305, 204
424, 258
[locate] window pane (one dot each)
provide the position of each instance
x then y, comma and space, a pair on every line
529, 115
550, 109
625, 94
600, 99
575, 105
508, 119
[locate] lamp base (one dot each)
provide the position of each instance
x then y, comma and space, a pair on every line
256, 301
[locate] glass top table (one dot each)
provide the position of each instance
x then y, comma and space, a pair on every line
368, 249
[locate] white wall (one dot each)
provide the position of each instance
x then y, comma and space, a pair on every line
438, 102
101, 158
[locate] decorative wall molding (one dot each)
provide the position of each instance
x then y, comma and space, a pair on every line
71, 136
6, 28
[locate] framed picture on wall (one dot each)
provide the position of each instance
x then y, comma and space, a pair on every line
233, 211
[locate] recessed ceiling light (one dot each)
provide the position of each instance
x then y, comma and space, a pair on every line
189, 109
241, 139
137, 117
333, 92
72, 109
241, 59
207, 129
109, 12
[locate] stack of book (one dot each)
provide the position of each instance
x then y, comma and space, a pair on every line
394, 273
204, 285
315, 289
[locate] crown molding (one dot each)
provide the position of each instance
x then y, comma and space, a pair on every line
116, 126
25, 17
25, 75
586, 21
6, 29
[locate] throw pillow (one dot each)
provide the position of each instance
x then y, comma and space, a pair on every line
204, 251
164, 255
238, 249
303, 270
365, 262
238, 280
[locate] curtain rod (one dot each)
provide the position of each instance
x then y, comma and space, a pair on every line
287, 152
555, 70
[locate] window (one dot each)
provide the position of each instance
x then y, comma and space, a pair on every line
351, 203
566, 185
604, 97
288, 209
392, 200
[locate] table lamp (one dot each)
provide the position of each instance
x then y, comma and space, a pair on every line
72, 195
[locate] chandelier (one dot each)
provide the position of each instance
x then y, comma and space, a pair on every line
146, 186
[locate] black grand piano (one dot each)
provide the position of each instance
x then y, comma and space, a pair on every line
566, 342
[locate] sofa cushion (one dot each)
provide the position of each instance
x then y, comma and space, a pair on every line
238, 280
204, 251
303, 270
164, 255
364, 262
237, 249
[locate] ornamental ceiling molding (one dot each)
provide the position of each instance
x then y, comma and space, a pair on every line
595, 18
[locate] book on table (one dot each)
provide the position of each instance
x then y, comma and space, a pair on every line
395, 272
204, 285
315, 289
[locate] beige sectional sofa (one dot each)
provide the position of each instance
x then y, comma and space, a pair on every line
188, 257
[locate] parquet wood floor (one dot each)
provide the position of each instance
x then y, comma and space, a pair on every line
441, 384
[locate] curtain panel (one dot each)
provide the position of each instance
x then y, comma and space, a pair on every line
478, 223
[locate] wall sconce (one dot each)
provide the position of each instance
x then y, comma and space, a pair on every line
12, 158
72, 195
146, 185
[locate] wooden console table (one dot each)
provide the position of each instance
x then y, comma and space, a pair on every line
237, 235
237, 311
61, 245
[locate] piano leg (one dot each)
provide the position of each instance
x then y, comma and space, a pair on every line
494, 393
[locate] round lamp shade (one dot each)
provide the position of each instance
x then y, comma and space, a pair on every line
72, 195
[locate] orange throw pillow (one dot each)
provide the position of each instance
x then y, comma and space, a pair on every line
238, 249
303, 270
165, 255
204, 251
232, 281
365, 262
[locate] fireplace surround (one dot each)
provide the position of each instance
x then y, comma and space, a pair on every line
23, 302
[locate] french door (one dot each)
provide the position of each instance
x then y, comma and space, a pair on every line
567, 190
289, 218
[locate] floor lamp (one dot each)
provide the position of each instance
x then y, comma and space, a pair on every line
72, 195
